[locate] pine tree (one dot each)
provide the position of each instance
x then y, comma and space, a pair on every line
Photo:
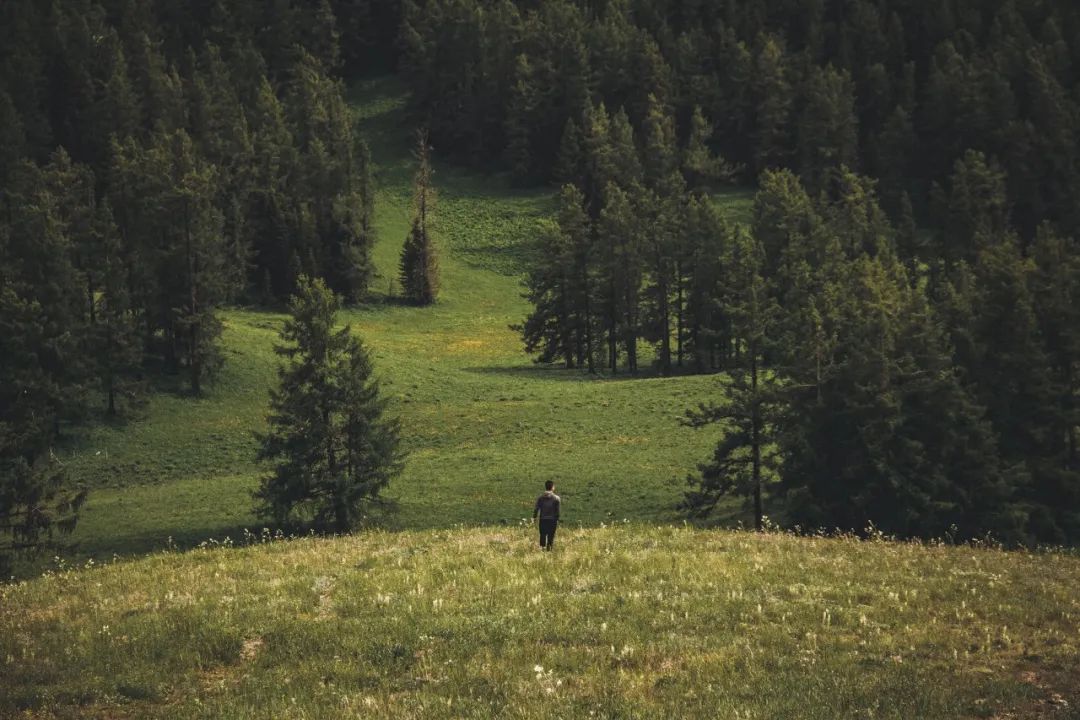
1005, 360
559, 288
322, 38
43, 333
784, 219
36, 497
333, 447
569, 165
702, 331
115, 341
620, 281
196, 246
827, 127
419, 262
1057, 307
745, 460
116, 108
519, 120
975, 211
772, 97
700, 165
12, 137
664, 208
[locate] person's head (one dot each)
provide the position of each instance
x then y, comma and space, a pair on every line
549, 485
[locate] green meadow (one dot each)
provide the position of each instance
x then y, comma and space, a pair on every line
624, 621
483, 424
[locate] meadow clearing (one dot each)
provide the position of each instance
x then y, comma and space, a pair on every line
483, 424
624, 621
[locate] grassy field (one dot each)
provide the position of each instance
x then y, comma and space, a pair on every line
624, 621
483, 424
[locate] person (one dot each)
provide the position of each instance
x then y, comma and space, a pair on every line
547, 508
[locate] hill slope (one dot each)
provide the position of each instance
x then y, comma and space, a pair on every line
625, 621
484, 425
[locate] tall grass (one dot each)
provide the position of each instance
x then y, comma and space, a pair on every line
631, 621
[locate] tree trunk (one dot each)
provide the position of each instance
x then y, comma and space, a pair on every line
613, 349
90, 298
665, 332
588, 316
194, 363
110, 388
755, 439
679, 314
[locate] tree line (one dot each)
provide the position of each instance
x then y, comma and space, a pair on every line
156, 161
924, 381
933, 399
896, 91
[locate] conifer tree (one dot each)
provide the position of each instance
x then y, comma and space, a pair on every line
664, 207
333, 447
569, 166
196, 247
620, 271
975, 210
745, 460
43, 333
827, 127
36, 497
12, 137
1056, 287
700, 165
560, 288
772, 98
519, 120
701, 320
115, 340
419, 262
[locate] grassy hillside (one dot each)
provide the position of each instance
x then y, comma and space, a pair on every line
629, 621
484, 425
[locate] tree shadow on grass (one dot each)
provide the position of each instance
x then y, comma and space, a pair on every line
556, 372
382, 515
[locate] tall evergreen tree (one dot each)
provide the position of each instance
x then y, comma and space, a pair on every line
519, 120
701, 165
620, 271
745, 460
560, 325
772, 99
419, 261
827, 127
1056, 288
333, 447
197, 246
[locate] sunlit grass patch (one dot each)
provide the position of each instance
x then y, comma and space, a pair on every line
625, 620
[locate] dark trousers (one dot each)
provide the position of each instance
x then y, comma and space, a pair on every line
547, 533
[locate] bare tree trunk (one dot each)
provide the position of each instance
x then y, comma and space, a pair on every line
755, 439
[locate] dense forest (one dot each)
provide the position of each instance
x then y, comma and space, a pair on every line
918, 309
158, 160
900, 322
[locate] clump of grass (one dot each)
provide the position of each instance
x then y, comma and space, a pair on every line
623, 621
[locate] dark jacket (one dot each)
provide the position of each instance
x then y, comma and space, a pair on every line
547, 506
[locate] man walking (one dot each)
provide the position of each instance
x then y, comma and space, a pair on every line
547, 507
